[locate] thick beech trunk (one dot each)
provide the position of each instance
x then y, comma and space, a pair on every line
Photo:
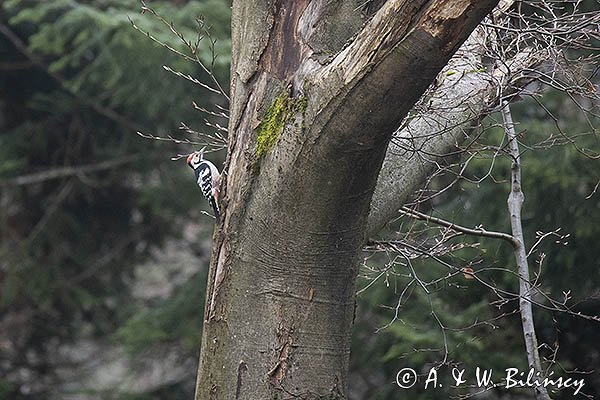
318, 88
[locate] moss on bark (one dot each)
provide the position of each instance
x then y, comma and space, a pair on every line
271, 126
273, 123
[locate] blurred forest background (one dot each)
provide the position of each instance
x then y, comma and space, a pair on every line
104, 245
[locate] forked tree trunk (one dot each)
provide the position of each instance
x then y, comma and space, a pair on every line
317, 89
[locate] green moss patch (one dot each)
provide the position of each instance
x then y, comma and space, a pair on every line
272, 124
274, 120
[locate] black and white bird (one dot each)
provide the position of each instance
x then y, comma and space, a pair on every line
208, 178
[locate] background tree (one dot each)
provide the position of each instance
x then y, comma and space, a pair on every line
84, 199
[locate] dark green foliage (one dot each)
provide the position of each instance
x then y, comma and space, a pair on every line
94, 48
77, 81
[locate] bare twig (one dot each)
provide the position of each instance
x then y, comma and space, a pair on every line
215, 140
192, 46
468, 231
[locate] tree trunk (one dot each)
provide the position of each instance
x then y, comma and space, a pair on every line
313, 84
515, 203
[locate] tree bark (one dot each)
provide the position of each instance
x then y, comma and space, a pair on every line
310, 124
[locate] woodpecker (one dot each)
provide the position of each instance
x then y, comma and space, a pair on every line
207, 177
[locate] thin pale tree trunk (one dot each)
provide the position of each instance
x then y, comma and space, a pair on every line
515, 203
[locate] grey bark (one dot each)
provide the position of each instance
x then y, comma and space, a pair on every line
280, 299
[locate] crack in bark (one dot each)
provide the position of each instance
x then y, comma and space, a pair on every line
284, 52
277, 373
243, 367
218, 280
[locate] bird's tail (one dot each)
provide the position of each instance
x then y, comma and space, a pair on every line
216, 212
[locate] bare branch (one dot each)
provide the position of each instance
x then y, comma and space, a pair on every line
468, 231
190, 78
445, 118
63, 172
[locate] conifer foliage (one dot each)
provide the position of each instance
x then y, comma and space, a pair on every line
83, 198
